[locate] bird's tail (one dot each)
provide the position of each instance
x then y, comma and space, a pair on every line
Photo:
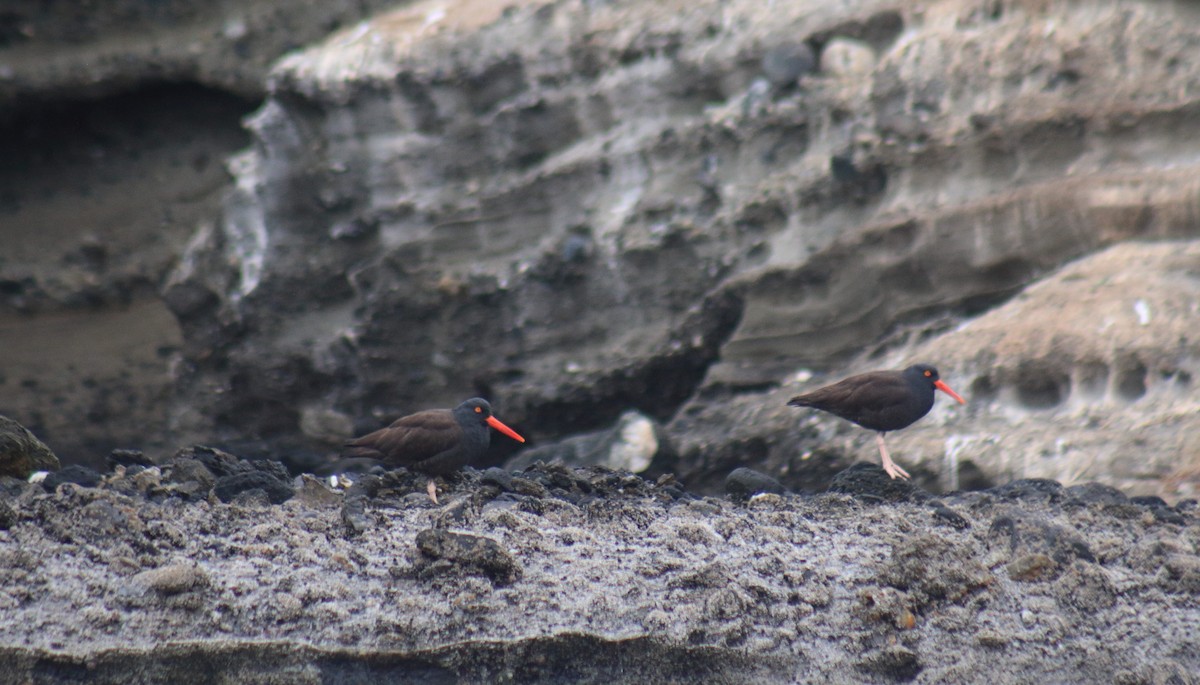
353, 451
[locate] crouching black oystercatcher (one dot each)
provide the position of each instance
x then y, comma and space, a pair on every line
434, 442
882, 401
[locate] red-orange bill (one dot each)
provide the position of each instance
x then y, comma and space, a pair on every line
946, 389
498, 425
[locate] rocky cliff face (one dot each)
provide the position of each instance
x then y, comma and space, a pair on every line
685, 210
116, 121
581, 210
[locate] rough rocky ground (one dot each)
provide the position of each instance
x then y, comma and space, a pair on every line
637, 227
592, 575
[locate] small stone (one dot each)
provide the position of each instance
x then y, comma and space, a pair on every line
75, 473
171, 579
1031, 567
190, 471
634, 445
1029, 489
992, 639
743, 483
21, 453
899, 663
525, 486
354, 504
1095, 493
276, 491
218, 462
313, 492
947, 515
498, 477
870, 483
784, 64
847, 57
466, 551
121, 457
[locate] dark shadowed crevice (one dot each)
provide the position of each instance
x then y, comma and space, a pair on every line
98, 198
541, 659
656, 386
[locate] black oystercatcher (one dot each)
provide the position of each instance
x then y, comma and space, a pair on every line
434, 442
882, 401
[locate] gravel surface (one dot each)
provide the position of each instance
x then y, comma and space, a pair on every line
591, 575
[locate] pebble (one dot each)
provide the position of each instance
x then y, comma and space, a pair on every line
75, 473
314, 492
473, 552
21, 453
170, 580
784, 64
498, 477
228, 487
743, 483
847, 57
945, 514
870, 483
1031, 567
1094, 493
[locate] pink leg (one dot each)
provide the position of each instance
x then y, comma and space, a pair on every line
890, 466
431, 488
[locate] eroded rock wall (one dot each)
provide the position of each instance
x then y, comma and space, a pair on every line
116, 120
581, 210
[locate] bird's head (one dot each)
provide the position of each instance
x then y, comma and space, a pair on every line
480, 409
928, 374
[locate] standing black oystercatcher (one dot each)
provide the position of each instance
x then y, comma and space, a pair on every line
434, 442
882, 401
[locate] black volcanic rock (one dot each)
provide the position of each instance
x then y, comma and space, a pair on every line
21, 453
743, 483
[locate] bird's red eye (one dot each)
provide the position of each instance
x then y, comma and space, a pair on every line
479, 410
928, 374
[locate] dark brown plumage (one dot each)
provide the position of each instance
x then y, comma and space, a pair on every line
881, 401
434, 442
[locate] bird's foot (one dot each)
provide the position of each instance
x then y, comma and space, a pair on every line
893, 469
431, 488
890, 466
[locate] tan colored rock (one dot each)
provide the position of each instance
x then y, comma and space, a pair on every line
1088, 375
171, 579
846, 57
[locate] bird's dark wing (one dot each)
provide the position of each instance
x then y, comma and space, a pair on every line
858, 398
410, 439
